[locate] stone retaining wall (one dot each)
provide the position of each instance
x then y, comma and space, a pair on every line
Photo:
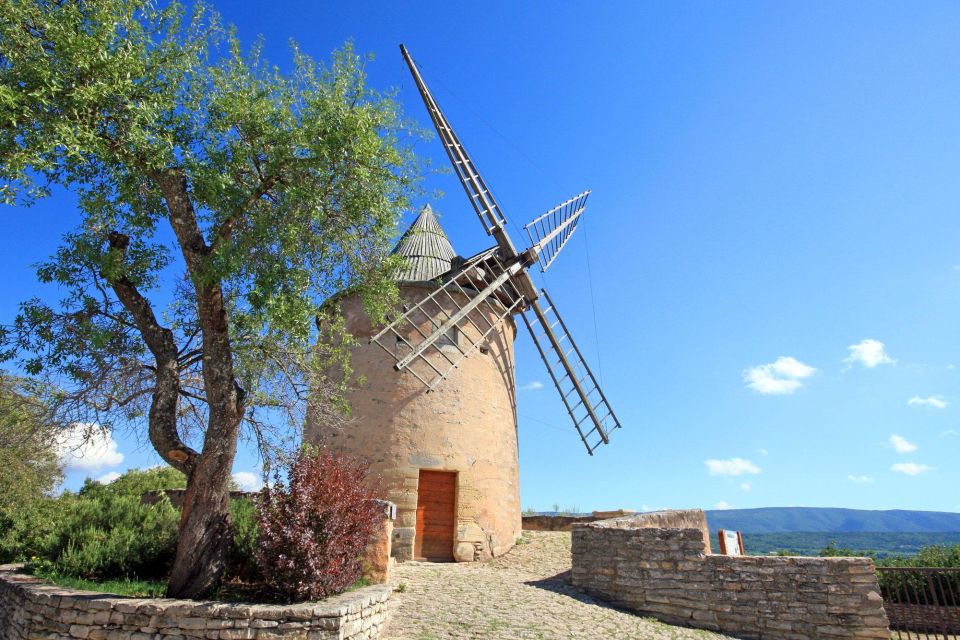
667, 519
31, 609
665, 573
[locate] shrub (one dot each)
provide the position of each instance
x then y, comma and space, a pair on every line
103, 531
314, 529
107, 532
243, 564
25, 532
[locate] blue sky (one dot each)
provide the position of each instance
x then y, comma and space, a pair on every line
774, 269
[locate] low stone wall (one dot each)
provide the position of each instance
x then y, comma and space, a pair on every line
665, 573
667, 519
33, 609
554, 523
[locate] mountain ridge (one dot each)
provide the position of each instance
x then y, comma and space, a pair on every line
832, 520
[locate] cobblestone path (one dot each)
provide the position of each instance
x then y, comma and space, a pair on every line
522, 595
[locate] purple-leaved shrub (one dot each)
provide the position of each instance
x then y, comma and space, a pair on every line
314, 528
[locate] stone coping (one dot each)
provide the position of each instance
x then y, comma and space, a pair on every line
356, 613
334, 606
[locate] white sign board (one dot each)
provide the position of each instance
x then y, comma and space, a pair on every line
730, 543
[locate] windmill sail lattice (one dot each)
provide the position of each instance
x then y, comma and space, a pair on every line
549, 232
431, 337
592, 415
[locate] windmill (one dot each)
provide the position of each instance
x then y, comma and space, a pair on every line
498, 276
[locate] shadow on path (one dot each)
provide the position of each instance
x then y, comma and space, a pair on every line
560, 583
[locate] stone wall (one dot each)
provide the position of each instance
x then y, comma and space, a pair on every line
666, 519
33, 609
554, 523
665, 573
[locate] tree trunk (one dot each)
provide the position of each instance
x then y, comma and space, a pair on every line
205, 533
204, 540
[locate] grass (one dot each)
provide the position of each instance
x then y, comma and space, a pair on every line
135, 588
152, 588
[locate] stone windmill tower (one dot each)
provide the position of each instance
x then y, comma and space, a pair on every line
436, 416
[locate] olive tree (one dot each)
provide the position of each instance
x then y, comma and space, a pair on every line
221, 201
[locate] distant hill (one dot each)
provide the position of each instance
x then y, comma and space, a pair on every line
815, 519
883, 545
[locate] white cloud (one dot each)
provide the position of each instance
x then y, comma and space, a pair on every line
532, 386
731, 467
746, 486
108, 477
911, 468
723, 505
763, 452
87, 446
248, 481
782, 376
869, 353
948, 433
901, 444
860, 479
935, 402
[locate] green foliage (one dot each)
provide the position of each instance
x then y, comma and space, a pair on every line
104, 532
29, 468
833, 551
295, 182
279, 190
108, 532
101, 532
243, 517
936, 555
136, 482
883, 544
24, 533
123, 587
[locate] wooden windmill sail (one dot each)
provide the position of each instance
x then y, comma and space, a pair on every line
498, 277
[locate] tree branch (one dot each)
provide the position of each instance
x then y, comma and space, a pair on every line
159, 339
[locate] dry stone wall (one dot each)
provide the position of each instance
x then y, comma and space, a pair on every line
666, 574
667, 518
31, 609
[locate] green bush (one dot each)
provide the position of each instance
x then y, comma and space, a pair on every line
105, 532
25, 532
116, 536
243, 564
932, 556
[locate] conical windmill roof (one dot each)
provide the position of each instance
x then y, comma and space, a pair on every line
425, 248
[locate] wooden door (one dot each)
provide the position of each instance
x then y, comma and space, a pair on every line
436, 505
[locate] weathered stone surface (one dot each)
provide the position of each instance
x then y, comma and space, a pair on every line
466, 425
30, 609
664, 572
377, 555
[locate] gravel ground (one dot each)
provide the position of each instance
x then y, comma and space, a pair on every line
524, 594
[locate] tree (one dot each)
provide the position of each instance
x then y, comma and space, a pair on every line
206, 178
29, 467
